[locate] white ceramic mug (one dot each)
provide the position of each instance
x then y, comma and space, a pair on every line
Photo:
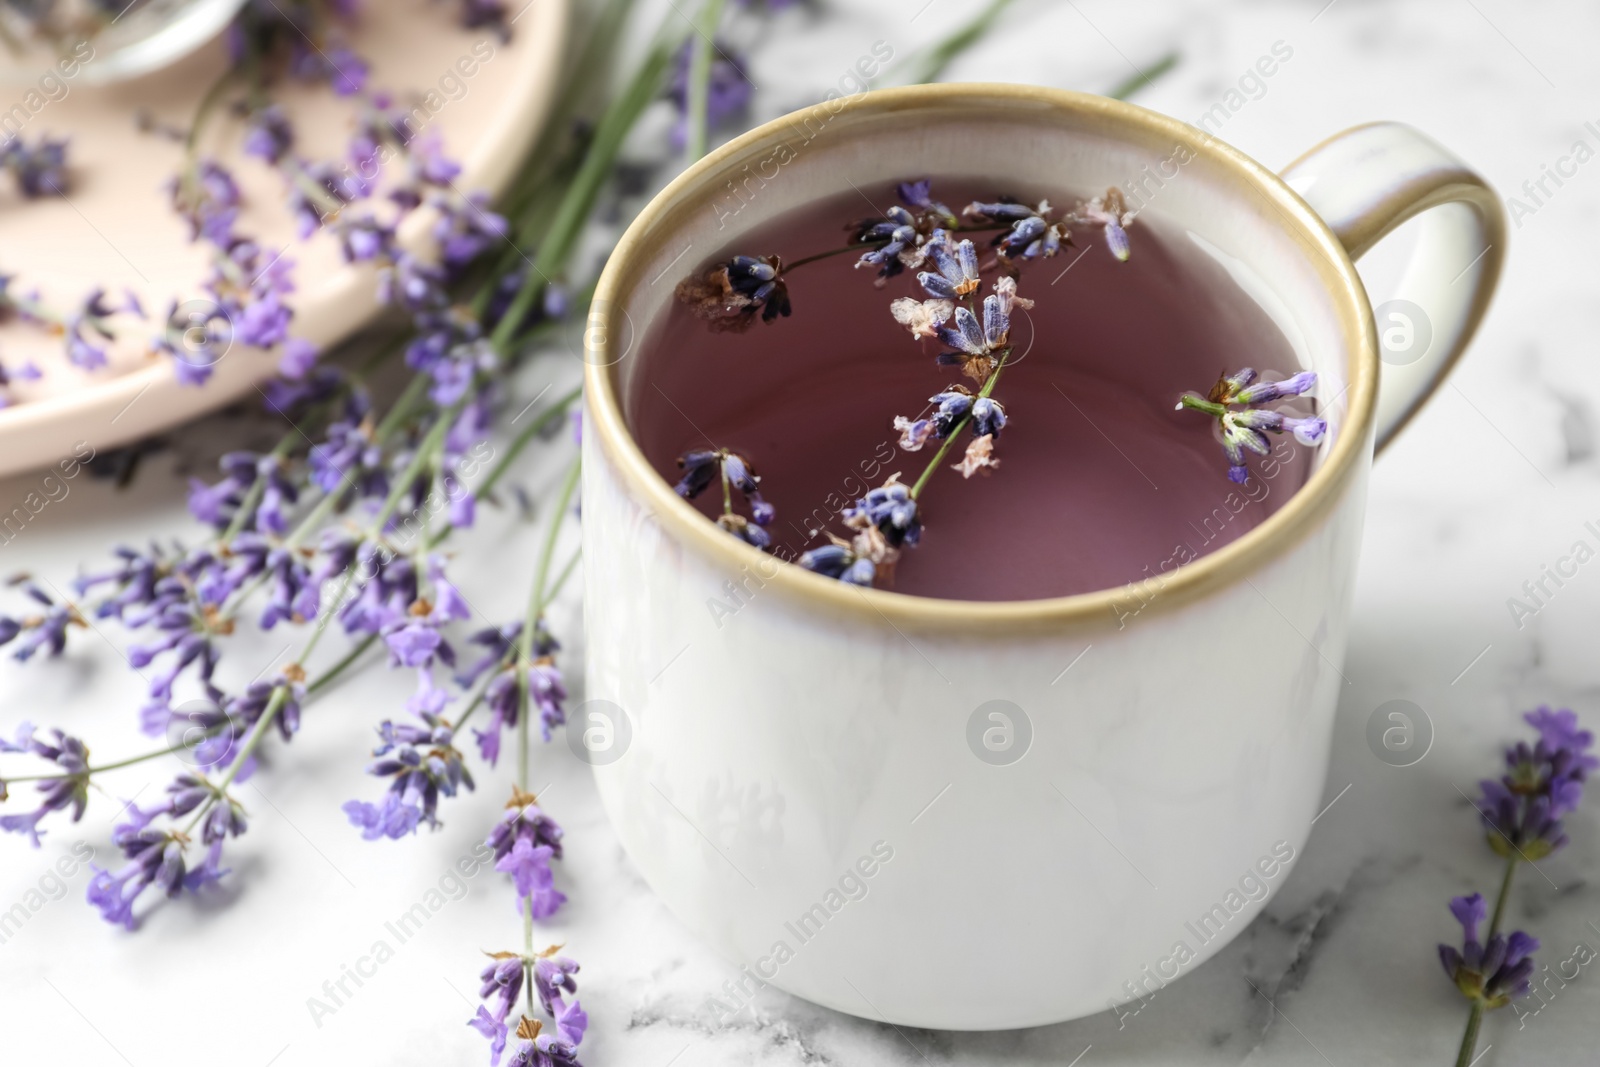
989, 815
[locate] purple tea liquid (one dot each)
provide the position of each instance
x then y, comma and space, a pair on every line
1101, 481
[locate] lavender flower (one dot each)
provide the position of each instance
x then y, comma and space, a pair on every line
1522, 810
158, 857
87, 328
318, 193
424, 765
47, 631
501, 986
466, 229
154, 858
897, 231
248, 283
541, 1049
729, 295
702, 468
524, 841
891, 510
486, 14
546, 689
976, 347
839, 560
426, 165
195, 340
501, 643
1110, 212
208, 199
553, 978
1489, 975
957, 267
918, 194
745, 530
69, 790
348, 453
270, 136
1245, 430
906, 232
1033, 234
38, 170
952, 408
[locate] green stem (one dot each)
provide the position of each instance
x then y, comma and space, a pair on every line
483, 689
333, 672
274, 704
129, 762
424, 455
477, 699
1199, 403
948, 50
1469, 1040
576, 205
938, 457
513, 450
312, 688
306, 526
312, 520
327, 616
565, 573
577, 304
202, 112
830, 253
537, 601
280, 694
553, 152
403, 406
253, 495
1505, 895
1126, 88
699, 95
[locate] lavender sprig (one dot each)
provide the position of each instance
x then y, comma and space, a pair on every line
702, 468
524, 842
708, 84
1233, 401
1521, 813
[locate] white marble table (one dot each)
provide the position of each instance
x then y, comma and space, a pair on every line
1494, 480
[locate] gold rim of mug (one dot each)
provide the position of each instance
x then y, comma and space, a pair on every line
680, 520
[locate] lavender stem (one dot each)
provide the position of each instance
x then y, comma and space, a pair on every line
700, 79
944, 447
537, 601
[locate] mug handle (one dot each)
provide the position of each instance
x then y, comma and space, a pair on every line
1364, 183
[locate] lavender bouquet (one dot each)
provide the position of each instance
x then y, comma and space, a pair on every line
343, 526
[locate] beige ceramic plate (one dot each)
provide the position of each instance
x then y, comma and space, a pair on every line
115, 228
